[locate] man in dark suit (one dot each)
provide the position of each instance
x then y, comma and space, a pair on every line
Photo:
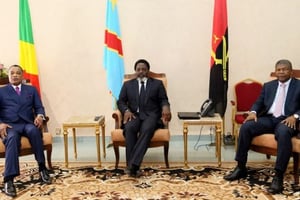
21, 114
276, 110
145, 107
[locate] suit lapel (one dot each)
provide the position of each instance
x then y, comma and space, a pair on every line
289, 94
148, 89
136, 89
13, 94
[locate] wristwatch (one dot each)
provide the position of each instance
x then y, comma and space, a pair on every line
296, 116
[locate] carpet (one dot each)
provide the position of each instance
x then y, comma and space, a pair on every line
199, 181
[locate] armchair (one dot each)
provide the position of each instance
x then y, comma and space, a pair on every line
267, 144
26, 148
246, 92
160, 138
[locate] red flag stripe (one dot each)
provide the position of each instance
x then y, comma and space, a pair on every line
219, 26
112, 41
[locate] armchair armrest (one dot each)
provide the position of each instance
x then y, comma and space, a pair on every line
117, 115
232, 103
45, 126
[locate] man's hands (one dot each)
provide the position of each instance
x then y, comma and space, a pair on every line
38, 121
251, 116
128, 116
166, 114
3, 128
289, 121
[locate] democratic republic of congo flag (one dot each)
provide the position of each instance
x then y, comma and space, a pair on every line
218, 84
28, 59
113, 53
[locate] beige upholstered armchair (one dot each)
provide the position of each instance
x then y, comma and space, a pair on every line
26, 148
267, 144
161, 137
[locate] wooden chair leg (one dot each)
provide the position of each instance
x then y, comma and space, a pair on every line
49, 154
235, 133
117, 155
166, 154
296, 167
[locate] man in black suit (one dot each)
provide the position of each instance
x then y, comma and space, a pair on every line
145, 107
21, 114
271, 113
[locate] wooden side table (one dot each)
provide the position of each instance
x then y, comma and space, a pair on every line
216, 121
84, 122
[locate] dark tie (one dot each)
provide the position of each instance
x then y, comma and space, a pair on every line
18, 91
142, 101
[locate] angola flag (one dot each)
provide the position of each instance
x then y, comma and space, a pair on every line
28, 59
218, 84
113, 53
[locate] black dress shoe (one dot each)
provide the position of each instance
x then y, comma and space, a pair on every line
9, 189
136, 173
276, 185
237, 173
127, 170
45, 177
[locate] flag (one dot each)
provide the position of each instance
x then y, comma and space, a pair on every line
218, 83
28, 59
113, 53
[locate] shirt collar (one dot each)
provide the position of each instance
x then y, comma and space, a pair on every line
287, 83
142, 79
14, 86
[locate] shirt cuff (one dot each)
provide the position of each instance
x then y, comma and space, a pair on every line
41, 116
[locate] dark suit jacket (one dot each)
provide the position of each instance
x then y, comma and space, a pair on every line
26, 106
155, 99
267, 96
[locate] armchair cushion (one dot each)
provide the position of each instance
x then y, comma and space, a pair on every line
160, 135
27, 150
267, 140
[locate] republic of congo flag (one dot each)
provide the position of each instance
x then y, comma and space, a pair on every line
27, 52
113, 53
218, 83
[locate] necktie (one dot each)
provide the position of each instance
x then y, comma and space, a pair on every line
142, 100
18, 91
279, 101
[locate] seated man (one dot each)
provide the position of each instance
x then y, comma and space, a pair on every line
277, 111
145, 107
21, 114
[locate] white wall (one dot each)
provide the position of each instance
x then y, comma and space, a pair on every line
174, 35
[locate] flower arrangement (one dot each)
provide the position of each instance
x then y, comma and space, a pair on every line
3, 71
3, 75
